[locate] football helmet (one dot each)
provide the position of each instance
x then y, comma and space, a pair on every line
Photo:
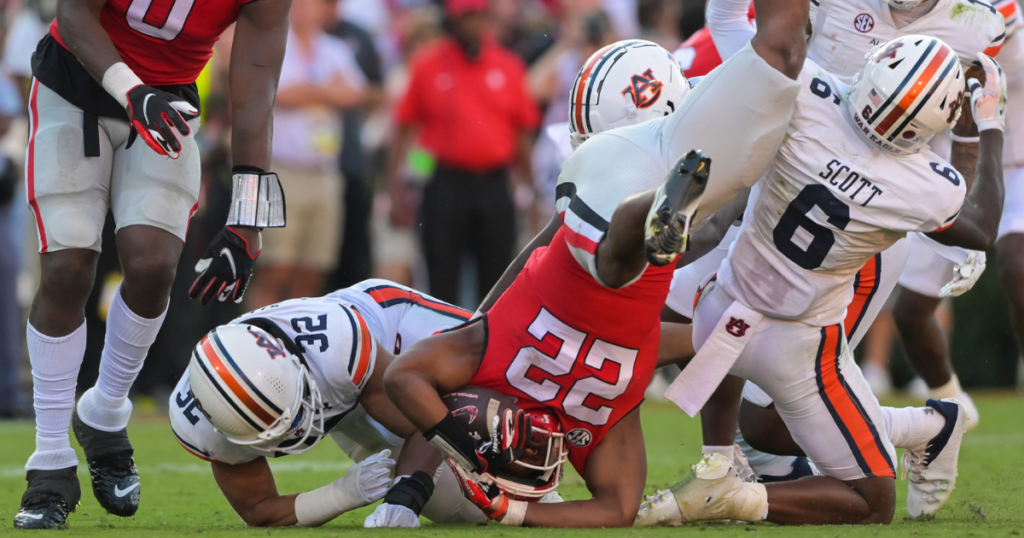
540, 472
625, 83
910, 89
254, 391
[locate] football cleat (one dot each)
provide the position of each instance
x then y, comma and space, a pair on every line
115, 481
49, 498
675, 205
932, 470
972, 410
713, 490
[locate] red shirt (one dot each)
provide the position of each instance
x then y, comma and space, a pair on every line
165, 41
559, 340
698, 55
471, 111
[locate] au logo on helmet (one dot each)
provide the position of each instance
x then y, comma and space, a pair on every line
644, 89
272, 348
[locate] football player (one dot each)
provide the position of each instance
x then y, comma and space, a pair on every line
278, 379
577, 331
114, 111
844, 187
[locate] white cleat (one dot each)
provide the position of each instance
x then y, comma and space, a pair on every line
711, 491
742, 466
972, 410
932, 470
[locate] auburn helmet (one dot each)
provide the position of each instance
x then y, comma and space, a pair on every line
254, 391
910, 89
625, 83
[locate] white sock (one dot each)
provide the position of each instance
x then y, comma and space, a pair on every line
55, 364
726, 451
912, 427
949, 390
125, 347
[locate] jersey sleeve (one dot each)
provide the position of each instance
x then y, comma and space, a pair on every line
348, 363
943, 205
994, 29
196, 435
1011, 15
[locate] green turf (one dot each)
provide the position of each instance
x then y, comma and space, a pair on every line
179, 495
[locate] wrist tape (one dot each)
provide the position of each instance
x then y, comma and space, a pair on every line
454, 442
412, 491
515, 514
257, 200
119, 80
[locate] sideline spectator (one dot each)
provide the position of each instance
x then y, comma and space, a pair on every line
469, 99
319, 79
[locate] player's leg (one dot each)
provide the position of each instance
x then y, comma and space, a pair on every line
68, 196
152, 199
1010, 248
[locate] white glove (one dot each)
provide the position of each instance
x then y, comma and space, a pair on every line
965, 275
988, 102
392, 515
363, 484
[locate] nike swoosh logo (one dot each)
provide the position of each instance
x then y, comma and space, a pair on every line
144, 113
31, 516
122, 492
226, 252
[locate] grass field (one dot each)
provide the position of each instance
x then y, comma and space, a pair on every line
179, 495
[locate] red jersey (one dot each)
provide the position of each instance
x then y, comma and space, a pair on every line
557, 339
698, 55
165, 41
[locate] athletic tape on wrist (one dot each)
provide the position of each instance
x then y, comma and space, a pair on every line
515, 514
257, 200
964, 139
412, 491
119, 80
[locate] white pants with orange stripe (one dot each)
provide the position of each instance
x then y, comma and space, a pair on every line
70, 194
819, 391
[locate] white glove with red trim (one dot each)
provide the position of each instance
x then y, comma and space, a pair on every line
988, 102
966, 275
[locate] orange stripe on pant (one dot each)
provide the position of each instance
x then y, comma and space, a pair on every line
863, 291
30, 165
860, 433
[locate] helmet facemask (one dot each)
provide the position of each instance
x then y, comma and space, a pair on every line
540, 472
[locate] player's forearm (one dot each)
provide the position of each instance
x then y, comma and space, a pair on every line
417, 455
542, 239
977, 226
82, 33
414, 394
276, 511
964, 158
590, 514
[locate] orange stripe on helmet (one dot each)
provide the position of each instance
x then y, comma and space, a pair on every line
581, 85
365, 348
233, 384
847, 411
915, 90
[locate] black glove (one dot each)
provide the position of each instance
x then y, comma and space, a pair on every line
155, 114
224, 270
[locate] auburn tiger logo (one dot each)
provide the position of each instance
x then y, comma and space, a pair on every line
737, 327
644, 89
272, 348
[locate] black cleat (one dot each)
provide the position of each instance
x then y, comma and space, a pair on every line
675, 205
49, 498
115, 481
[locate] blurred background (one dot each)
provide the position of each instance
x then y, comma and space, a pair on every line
418, 141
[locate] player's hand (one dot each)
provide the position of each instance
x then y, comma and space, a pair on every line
224, 270
988, 101
392, 515
371, 478
155, 115
966, 275
510, 442
485, 495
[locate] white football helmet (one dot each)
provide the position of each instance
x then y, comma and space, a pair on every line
254, 391
910, 89
625, 83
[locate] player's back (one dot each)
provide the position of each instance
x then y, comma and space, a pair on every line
850, 28
830, 201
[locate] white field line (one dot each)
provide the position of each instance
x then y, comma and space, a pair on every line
17, 471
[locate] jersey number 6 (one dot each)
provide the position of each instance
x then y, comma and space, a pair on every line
562, 363
796, 218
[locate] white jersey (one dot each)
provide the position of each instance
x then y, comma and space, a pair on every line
830, 201
848, 29
338, 335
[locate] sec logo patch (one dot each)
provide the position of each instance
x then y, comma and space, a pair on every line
864, 23
579, 437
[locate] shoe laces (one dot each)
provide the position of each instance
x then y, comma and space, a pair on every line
912, 463
43, 499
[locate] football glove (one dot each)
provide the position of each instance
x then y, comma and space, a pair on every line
363, 484
988, 102
485, 495
392, 516
965, 275
506, 442
154, 116
224, 270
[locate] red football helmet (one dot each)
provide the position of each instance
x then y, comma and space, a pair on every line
540, 471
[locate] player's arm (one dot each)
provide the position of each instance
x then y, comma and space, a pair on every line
963, 153
257, 199
250, 489
977, 225
80, 29
711, 234
542, 239
615, 475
